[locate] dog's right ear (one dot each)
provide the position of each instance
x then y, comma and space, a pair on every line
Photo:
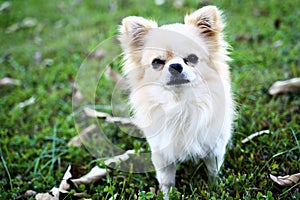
133, 30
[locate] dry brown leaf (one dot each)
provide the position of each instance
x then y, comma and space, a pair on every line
250, 137
291, 85
287, 180
108, 118
9, 81
84, 135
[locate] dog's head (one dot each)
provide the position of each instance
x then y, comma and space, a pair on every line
175, 54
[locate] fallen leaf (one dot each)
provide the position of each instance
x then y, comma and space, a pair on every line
93, 113
84, 135
278, 43
119, 158
250, 137
12, 28
28, 22
64, 186
29, 193
25, 23
152, 189
68, 180
56, 193
80, 194
28, 102
53, 194
108, 118
47, 62
94, 175
5, 6
291, 85
9, 81
287, 180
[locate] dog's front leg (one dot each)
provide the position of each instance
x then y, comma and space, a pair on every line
213, 164
165, 172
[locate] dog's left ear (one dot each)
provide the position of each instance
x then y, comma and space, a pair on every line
208, 20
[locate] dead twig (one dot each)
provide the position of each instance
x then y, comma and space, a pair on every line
250, 137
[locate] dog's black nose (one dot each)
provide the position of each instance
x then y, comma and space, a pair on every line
175, 68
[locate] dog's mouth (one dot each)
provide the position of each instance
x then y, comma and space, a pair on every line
174, 81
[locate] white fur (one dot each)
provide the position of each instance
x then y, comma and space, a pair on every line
186, 121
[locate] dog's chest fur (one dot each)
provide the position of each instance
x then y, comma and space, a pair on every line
178, 124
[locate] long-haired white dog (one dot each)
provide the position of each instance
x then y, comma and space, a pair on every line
180, 89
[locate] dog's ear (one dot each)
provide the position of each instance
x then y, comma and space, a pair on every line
133, 30
208, 20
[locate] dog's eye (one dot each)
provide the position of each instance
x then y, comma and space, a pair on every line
157, 63
192, 59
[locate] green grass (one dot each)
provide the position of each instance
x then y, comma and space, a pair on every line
34, 151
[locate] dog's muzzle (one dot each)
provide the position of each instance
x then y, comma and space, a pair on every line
177, 77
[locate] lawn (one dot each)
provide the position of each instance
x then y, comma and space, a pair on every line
44, 44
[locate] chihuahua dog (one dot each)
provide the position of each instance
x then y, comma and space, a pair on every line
180, 90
